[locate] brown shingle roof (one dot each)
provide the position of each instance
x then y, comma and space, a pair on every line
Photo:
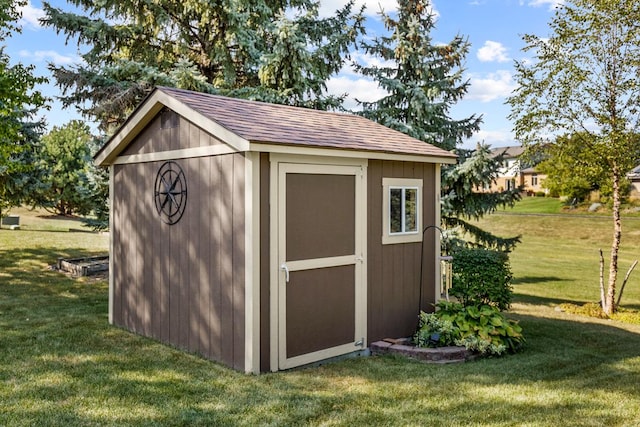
261, 122
510, 152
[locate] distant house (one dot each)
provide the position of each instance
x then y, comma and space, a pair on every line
634, 178
512, 174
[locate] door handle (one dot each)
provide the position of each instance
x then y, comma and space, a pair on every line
284, 268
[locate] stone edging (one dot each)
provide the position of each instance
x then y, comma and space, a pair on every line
429, 355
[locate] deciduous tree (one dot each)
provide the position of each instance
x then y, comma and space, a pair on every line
19, 126
65, 161
583, 82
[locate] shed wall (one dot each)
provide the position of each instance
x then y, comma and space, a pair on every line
394, 270
183, 284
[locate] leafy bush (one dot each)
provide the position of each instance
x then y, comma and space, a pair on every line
483, 329
482, 276
434, 332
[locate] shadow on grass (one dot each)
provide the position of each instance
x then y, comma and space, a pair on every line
66, 365
535, 279
13, 258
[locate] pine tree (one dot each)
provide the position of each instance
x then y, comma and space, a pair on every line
423, 80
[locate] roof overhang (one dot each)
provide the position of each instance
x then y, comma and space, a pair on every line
110, 153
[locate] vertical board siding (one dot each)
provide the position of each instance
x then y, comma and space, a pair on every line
154, 139
182, 284
394, 270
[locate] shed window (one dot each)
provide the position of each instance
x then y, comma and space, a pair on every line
402, 212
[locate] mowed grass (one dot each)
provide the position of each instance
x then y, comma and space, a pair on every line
62, 364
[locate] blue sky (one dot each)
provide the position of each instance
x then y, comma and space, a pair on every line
493, 27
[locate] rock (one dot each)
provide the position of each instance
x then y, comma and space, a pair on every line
594, 207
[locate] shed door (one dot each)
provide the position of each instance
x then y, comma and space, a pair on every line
321, 287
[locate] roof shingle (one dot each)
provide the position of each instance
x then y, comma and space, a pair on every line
260, 122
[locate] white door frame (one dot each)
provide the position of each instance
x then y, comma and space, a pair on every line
281, 165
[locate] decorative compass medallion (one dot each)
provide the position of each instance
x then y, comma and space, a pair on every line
170, 194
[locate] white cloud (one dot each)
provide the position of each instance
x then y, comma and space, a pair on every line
373, 7
494, 86
329, 7
493, 51
553, 4
495, 138
366, 60
50, 56
30, 16
360, 88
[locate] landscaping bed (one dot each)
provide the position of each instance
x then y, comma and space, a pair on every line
404, 347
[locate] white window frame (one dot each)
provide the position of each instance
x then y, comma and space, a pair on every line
388, 184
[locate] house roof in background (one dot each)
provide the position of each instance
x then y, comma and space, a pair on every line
509, 152
252, 122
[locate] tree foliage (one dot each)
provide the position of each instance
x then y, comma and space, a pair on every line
19, 126
462, 201
582, 88
65, 162
423, 80
242, 48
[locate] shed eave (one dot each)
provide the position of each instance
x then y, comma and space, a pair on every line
266, 147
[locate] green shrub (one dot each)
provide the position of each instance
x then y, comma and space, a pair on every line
482, 276
434, 332
482, 328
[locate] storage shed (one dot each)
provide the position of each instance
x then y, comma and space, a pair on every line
265, 236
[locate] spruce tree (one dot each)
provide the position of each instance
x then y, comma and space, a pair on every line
423, 80
233, 47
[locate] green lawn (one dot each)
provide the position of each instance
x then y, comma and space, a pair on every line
62, 364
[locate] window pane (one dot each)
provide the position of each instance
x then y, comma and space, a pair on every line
395, 210
410, 210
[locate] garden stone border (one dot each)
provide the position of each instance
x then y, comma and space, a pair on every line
403, 347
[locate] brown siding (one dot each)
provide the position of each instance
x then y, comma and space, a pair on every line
155, 139
394, 270
184, 283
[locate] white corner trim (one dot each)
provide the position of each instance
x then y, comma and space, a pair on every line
112, 262
252, 263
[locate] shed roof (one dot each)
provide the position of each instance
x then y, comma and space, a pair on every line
250, 122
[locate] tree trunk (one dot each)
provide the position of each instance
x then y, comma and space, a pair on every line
610, 306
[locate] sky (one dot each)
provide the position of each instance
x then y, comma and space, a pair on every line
494, 29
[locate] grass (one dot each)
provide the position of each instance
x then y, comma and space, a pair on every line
62, 364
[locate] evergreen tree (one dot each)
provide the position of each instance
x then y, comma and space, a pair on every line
462, 199
423, 80
236, 47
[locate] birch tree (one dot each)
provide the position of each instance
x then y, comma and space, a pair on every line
582, 82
